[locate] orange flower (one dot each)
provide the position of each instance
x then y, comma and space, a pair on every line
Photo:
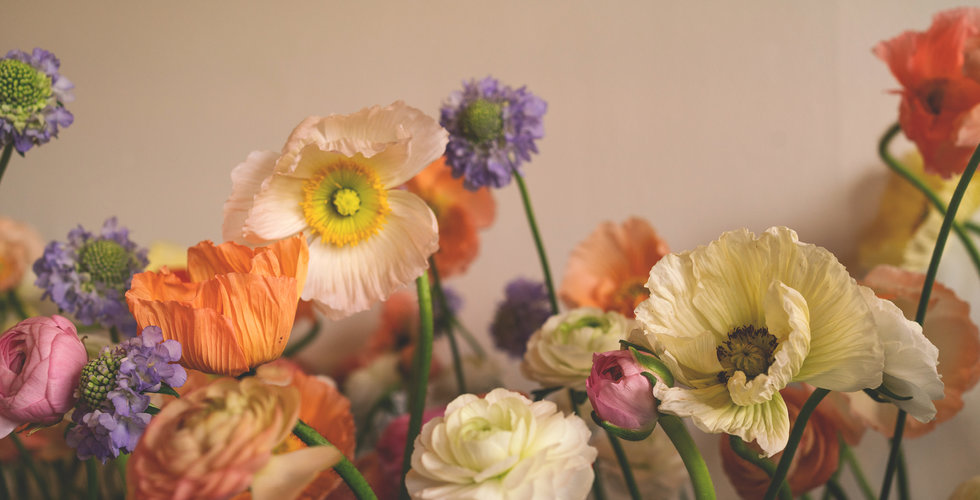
948, 327
815, 461
235, 313
20, 246
609, 269
459, 211
939, 71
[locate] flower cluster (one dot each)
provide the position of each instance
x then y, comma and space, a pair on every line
112, 407
32, 97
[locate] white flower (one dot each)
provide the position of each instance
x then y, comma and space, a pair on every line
560, 352
502, 446
738, 320
334, 181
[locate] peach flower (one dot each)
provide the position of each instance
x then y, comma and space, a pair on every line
20, 246
608, 269
235, 313
948, 326
459, 211
939, 71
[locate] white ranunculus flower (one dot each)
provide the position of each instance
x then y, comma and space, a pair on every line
560, 352
502, 446
739, 319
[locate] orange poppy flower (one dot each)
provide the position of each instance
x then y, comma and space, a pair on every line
609, 269
459, 212
236, 311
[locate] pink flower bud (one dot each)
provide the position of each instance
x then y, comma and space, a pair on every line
619, 392
41, 360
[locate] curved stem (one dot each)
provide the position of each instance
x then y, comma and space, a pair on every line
937, 203
345, 469
301, 344
545, 269
704, 489
624, 464
420, 374
468, 337
31, 467
5, 158
847, 455
794, 441
742, 450
446, 313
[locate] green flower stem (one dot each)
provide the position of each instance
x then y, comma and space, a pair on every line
624, 464
704, 489
847, 456
893, 455
121, 462
26, 459
92, 479
903, 477
834, 489
114, 335
453, 347
345, 469
5, 158
537, 241
420, 375
468, 336
4, 491
794, 441
933, 198
742, 450
301, 344
597, 490
14, 300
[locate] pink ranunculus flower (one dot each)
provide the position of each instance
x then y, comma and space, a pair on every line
41, 360
619, 392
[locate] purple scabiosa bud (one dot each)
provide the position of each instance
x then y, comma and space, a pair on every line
524, 309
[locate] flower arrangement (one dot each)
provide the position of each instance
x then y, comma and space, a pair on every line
184, 381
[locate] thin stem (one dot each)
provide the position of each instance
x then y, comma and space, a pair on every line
704, 489
345, 469
468, 336
597, 490
903, 477
420, 375
446, 312
114, 335
92, 479
933, 198
742, 450
847, 455
121, 462
31, 467
794, 441
624, 464
301, 344
4, 491
545, 269
14, 300
835, 490
5, 158
893, 454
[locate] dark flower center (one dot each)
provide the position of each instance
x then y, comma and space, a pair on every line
482, 121
748, 350
22, 86
106, 261
99, 377
614, 372
933, 94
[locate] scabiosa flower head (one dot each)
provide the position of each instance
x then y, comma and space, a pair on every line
89, 275
492, 129
524, 309
32, 97
111, 411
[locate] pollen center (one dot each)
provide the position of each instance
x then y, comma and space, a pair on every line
106, 261
482, 121
344, 203
22, 88
748, 350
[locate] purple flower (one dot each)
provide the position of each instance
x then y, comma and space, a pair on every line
89, 275
524, 309
32, 97
492, 129
110, 415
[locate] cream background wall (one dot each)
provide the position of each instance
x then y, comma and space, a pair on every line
699, 116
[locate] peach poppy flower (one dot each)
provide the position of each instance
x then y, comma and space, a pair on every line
609, 269
816, 458
939, 70
948, 326
235, 313
20, 246
459, 212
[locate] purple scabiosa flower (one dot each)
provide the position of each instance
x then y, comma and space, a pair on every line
492, 129
110, 415
32, 97
88, 276
524, 309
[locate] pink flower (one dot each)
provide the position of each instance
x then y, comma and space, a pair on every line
619, 392
41, 360
391, 446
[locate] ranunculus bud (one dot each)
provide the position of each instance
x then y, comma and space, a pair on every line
619, 392
41, 360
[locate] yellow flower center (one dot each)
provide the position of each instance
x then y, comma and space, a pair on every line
344, 203
748, 350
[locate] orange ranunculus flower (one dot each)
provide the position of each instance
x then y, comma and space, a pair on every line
236, 311
459, 211
816, 458
609, 269
939, 70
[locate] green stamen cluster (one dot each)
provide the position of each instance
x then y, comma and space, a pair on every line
99, 377
24, 91
585, 322
346, 202
106, 261
748, 350
482, 121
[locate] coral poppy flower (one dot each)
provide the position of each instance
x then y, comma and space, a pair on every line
235, 313
20, 246
335, 181
609, 268
939, 70
460, 213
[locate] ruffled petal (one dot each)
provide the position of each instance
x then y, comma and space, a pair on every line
732, 276
246, 181
285, 476
205, 260
277, 210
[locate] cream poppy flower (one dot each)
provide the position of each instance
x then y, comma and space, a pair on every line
334, 181
739, 319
